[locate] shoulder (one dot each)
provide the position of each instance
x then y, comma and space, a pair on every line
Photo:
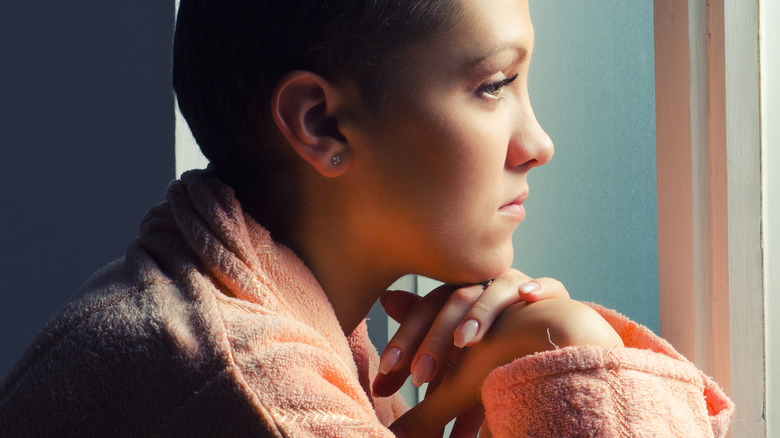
646, 386
129, 349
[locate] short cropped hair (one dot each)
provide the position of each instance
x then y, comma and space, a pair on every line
228, 56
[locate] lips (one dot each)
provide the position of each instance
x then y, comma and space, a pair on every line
515, 207
517, 201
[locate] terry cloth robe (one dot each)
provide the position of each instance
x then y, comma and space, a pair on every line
207, 327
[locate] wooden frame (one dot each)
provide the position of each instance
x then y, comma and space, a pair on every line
691, 194
770, 133
710, 195
743, 138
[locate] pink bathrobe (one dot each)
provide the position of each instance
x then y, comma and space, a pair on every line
207, 327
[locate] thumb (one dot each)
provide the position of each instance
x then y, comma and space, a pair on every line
419, 422
431, 415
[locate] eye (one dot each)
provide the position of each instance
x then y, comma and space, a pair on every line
492, 90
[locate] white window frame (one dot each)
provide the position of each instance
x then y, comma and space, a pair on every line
714, 203
770, 133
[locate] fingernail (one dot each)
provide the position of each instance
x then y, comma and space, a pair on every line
423, 370
389, 359
466, 332
530, 287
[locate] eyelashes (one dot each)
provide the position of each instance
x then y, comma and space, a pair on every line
492, 90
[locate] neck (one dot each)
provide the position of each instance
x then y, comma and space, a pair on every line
311, 225
347, 276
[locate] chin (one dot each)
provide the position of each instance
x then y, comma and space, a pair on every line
478, 270
499, 260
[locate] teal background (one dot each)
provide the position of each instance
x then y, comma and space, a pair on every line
592, 211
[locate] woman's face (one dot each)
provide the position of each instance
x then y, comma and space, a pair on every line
440, 178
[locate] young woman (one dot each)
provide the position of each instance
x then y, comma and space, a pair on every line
351, 142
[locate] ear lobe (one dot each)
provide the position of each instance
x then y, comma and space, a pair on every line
302, 110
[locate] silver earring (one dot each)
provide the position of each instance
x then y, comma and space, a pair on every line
336, 160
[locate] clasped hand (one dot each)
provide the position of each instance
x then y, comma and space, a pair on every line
456, 335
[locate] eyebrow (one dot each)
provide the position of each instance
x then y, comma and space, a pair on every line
494, 50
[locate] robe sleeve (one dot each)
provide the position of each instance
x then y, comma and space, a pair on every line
646, 388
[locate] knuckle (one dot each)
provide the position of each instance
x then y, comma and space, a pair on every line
436, 344
465, 296
481, 309
401, 340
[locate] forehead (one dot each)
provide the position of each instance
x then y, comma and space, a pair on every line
486, 35
484, 29
498, 24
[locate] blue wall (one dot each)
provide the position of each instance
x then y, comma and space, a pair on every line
592, 215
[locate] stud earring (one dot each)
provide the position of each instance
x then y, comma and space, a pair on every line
336, 160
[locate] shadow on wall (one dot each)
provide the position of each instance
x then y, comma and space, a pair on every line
86, 134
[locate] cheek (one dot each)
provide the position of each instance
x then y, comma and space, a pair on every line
450, 164
466, 137
477, 157
448, 183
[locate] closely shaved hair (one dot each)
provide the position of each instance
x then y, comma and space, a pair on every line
230, 54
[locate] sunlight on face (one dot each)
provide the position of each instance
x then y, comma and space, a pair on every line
441, 178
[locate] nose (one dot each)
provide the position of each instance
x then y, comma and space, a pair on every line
530, 146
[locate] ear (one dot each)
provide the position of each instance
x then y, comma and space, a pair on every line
303, 108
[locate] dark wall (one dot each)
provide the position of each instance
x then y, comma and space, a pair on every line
86, 146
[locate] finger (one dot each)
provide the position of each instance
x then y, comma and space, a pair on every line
438, 342
444, 371
385, 385
431, 415
502, 293
399, 351
467, 424
398, 303
426, 419
542, 289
